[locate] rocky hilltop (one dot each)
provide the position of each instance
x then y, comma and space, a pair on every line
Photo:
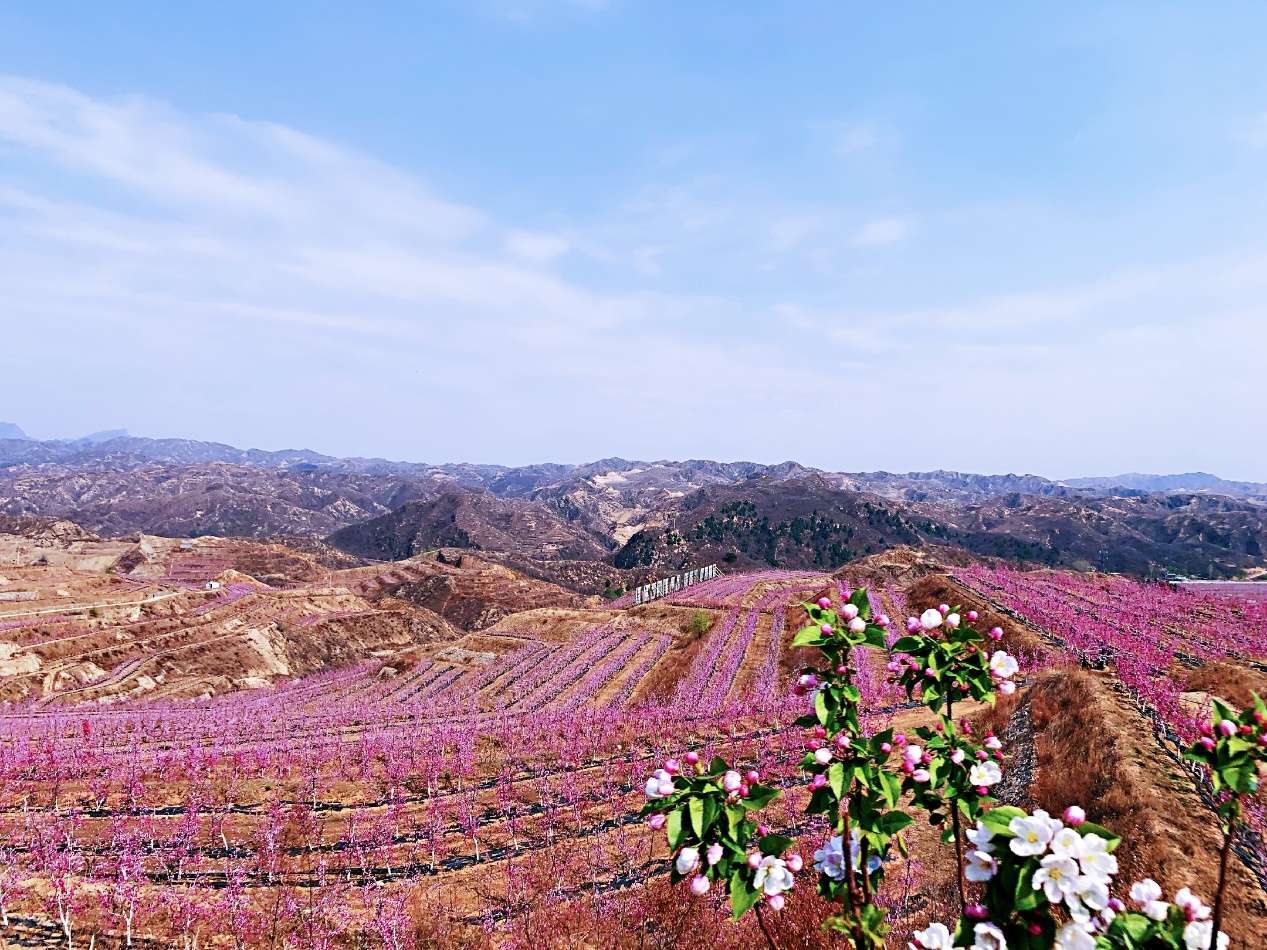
604, 524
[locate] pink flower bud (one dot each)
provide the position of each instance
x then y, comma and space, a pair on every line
1036, 930
976, 911
818, 781
672, 766
744, 790
776, 901
752, 777
1205, 729
849, 611
699, 885
929, 674
692, 758
921, 775
957, 756
983, 790
882, 620
763, 830
1207, 743
754, 860
795, 862
913, 625
731, 781
996, 633
973, 616
656, 822
944, 609
886, 747
826, 629
824, 602
1116, 905
1227, 727
899, 739
820, 732
841, 669
714, 853
822, 756
1074, 816
843, 741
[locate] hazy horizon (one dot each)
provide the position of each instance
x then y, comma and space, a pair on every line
1015, 240
627, 458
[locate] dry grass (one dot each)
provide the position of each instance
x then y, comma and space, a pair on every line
1234, 684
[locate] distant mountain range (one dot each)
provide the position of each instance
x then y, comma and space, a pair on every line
641, 518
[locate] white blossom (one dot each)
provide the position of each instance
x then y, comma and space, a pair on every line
687, 860
1057, 877
1191, 905
985, 773
988, 937
980, 866
1074, 936
773, 876
1196, 936
660, 784
1004, 665
982, 838
930, 619
1033, 833
935, 936
1094, 858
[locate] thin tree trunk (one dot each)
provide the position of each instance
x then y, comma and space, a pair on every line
1218, 895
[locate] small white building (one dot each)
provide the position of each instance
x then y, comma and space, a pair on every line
212, 585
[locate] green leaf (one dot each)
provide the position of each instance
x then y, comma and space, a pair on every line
894, 821
1221, 710
697, 817
807, 637
998, 818
759, 797
836, 778
1026, 898
742, 894
820, 706
892, 787
774, 844
910, 645
673, 828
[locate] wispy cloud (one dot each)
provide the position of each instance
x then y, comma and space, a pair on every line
222, 277
1254, 133
880, 231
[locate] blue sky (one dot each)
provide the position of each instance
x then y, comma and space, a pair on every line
1022, 238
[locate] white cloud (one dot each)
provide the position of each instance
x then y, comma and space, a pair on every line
849, 140
1254, 133
536, 247
880, 231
